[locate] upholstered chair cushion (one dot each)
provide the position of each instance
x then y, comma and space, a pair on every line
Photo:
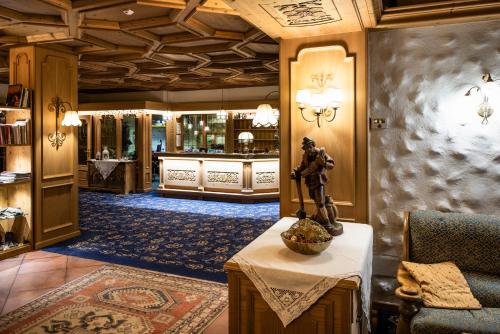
485, 287
446, 321
442, 285
471, 241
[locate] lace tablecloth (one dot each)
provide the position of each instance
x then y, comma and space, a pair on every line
290, 282
106, 167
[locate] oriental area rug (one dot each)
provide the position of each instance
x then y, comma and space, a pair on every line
118, 299
179, 236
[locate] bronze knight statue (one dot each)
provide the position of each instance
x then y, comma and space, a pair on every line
315, 163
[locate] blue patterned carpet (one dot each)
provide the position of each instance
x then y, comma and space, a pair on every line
183, 237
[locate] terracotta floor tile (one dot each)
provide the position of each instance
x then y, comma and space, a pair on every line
78, 262
43, 264
40, 255
19, 299
74, 273
220, 325
39, 280
7, 277
15, 258
4, 265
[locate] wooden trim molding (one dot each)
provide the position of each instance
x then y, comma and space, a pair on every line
439, 13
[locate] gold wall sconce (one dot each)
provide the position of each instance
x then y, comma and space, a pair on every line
58, 106
320, 102
488, 90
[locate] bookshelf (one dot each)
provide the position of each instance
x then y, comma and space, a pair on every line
15, 143
264, 138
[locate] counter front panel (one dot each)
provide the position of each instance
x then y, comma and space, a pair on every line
235, 176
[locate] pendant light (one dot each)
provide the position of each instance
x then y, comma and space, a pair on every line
222, 114
167, 115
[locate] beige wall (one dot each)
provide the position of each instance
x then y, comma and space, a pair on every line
435, 153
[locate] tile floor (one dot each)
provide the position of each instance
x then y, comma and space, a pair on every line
28, 276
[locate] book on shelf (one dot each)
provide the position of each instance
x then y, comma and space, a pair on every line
25, 100
10, 177
14, 95
17, 133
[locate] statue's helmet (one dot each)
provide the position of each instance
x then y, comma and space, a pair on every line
307, 142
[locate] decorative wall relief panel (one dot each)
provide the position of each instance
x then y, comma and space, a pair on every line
289, 13
265, 177
181, 175
222, 177
435, 153
265, 174
184, 173
218, 174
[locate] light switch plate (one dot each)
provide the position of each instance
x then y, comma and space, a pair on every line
378, 123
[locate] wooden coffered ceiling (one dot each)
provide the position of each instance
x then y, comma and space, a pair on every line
200, 44
164, 44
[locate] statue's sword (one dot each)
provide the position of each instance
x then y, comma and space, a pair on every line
301, 213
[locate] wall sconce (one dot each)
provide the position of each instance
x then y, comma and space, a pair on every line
321, 101
58, 106
489, 89
245, 138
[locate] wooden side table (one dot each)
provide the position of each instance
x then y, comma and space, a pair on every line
337, 311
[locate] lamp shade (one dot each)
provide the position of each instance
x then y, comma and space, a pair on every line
71, 119
245, 137
303, 96
222, 114
264, 117
168, 116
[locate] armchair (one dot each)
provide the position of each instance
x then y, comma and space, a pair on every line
473, 243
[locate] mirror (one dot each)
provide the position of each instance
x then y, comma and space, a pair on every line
128, 137
108, 135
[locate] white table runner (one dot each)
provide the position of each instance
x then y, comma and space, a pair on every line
106, 167
290, 282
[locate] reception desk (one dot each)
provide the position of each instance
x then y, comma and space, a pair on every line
243, 177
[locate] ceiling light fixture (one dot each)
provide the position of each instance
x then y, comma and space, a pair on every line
168, 115
128, 12
222, 114
266, 116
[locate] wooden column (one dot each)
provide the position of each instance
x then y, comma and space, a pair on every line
55, 171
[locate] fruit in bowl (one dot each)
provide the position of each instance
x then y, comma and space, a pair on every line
306, 237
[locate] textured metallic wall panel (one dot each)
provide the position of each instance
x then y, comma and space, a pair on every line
435, 154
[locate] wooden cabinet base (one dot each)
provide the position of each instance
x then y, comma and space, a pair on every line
335, 312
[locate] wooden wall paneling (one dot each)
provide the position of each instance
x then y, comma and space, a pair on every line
229, 144
170, 135
344, 138
144, 171
56, 187
56, 75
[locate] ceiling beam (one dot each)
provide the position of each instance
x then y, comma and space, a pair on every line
196, 49
9, 39
47, 20
99, 24
88, 5
64, 4
152, 22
